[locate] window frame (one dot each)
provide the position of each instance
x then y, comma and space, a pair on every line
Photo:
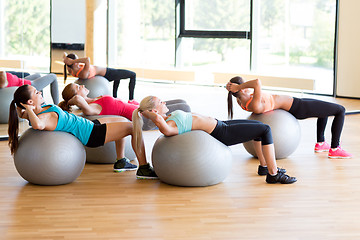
207, 33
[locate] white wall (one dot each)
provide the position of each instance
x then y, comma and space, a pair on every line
348, 62
68, 18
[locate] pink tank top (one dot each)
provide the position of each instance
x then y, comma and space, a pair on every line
14, 81
92, 71
114, 106
266, 98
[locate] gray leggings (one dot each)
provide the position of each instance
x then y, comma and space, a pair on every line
172, 105
40, 83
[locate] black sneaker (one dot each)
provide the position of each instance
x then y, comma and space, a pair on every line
281, 178
124, 164
146, 172
262, 171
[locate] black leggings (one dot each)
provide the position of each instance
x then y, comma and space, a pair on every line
116, 75
303, 108
238, 131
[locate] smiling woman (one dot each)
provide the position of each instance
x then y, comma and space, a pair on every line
28, 104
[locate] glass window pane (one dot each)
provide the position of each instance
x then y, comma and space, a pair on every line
211, 55
25, 33
224, 15
295, 38
141, 33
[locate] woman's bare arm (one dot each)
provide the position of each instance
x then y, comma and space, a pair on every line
87, 109
160, 122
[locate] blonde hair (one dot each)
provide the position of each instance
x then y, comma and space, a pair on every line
148, 103
67, 94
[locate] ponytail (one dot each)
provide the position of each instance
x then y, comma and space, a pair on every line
147, 103
21, 95
65, 73
72, 56
67, 94
137, 129
237, 80
64, 105
230, 106
13, 129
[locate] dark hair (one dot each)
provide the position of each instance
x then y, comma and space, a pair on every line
67, 94
237, 80
72, 56
21, 95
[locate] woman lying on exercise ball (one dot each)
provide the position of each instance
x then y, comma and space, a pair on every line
228, 132
28, 104
257, 101
81, 68
75, 94
10, 80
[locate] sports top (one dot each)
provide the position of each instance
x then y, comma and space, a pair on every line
114, 106
266, 98
70, 123
183, 120
92, 70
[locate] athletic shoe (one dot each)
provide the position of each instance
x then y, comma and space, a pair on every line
133, 102
281, 178
262, 171
124, 164
322, 147
338, 153
146, 172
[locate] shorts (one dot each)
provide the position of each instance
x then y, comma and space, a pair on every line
97, 136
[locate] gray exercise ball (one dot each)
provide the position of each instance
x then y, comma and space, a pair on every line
97, 86
192, 159
285, 130
107, 153
49, 157
6, 96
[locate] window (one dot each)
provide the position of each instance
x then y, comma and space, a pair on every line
25, 33
284, 38
141, 33
296, 38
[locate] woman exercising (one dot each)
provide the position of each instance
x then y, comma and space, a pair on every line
228, 132
39, 82
257, 101
75, 94
81, 68
28, 104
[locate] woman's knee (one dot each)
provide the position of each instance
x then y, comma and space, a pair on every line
267, 135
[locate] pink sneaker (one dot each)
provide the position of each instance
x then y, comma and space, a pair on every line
338, 153
322, 147
133, 102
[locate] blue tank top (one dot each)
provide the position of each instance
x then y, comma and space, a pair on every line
183, 120
68, 122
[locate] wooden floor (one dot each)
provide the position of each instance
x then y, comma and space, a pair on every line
101, 204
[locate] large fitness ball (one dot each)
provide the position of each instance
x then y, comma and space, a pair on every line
97, 86
285, 130
191, 159
49, 157
6, 96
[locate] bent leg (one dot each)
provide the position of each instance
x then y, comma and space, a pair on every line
307, 107
116, 75
33, 76
42, 82
117, 131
